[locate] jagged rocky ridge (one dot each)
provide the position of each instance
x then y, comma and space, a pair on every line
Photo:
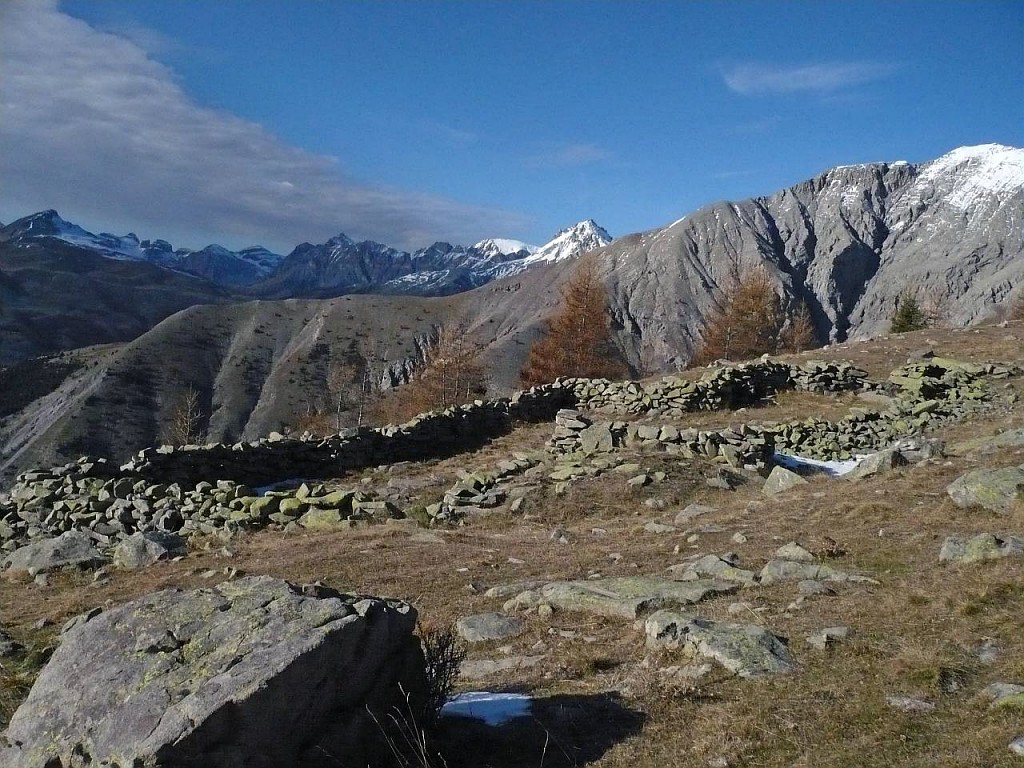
847, 243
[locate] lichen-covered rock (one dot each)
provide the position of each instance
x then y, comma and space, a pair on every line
484, 627
747, 650
984, 546
626, 597
776, 571
994, 489
254, 673
71, 549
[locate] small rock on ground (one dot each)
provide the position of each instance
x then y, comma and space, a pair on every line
484, 627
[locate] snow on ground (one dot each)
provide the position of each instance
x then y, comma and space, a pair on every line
830, 468
492, 708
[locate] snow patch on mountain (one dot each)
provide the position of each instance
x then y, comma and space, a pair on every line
969, 175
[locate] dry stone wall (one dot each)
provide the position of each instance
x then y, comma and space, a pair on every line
216, 487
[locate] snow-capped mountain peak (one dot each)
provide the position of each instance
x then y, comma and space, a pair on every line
970, 175
500, 246
571, 242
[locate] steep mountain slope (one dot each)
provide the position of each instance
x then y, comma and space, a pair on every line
847, 242
56, 296
257, 366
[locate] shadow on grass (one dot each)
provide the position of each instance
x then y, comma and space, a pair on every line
560, 731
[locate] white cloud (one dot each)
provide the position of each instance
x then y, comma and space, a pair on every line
756, 79
92, 126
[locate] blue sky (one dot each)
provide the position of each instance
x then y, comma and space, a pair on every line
408, 122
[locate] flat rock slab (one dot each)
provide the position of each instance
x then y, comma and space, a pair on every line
747, 650
984, 546
71, 549
253, 673
484, 627
777, 571
477, 669
994, 489
627, 597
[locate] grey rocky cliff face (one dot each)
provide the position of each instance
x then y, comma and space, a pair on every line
846, 242
254, 672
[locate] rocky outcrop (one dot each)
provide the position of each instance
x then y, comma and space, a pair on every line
255, 672
994, 489
846, 243
747, 650
627, 597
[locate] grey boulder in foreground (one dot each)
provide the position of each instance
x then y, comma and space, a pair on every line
255, 672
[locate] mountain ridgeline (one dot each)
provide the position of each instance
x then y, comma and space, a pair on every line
846, 244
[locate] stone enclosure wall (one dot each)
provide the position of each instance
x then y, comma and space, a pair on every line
207, 488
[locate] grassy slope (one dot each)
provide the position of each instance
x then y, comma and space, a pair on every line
603, 700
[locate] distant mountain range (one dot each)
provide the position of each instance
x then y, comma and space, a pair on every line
336, 267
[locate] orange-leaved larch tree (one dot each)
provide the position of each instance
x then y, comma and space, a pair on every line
452, 373
577, 339
748, 323
799, 334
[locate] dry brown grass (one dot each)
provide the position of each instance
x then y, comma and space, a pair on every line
916, 633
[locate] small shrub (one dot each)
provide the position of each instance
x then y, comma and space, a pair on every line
443, 654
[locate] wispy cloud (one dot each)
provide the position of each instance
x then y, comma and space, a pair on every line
94, 126
570, 155
761, 78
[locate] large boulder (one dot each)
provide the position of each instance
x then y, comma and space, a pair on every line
70, 549
255, 673
146, 547
993, 489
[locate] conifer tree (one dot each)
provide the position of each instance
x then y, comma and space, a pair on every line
908, 315
452, 374
577, 340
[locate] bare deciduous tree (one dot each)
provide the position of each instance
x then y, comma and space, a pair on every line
186, 419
